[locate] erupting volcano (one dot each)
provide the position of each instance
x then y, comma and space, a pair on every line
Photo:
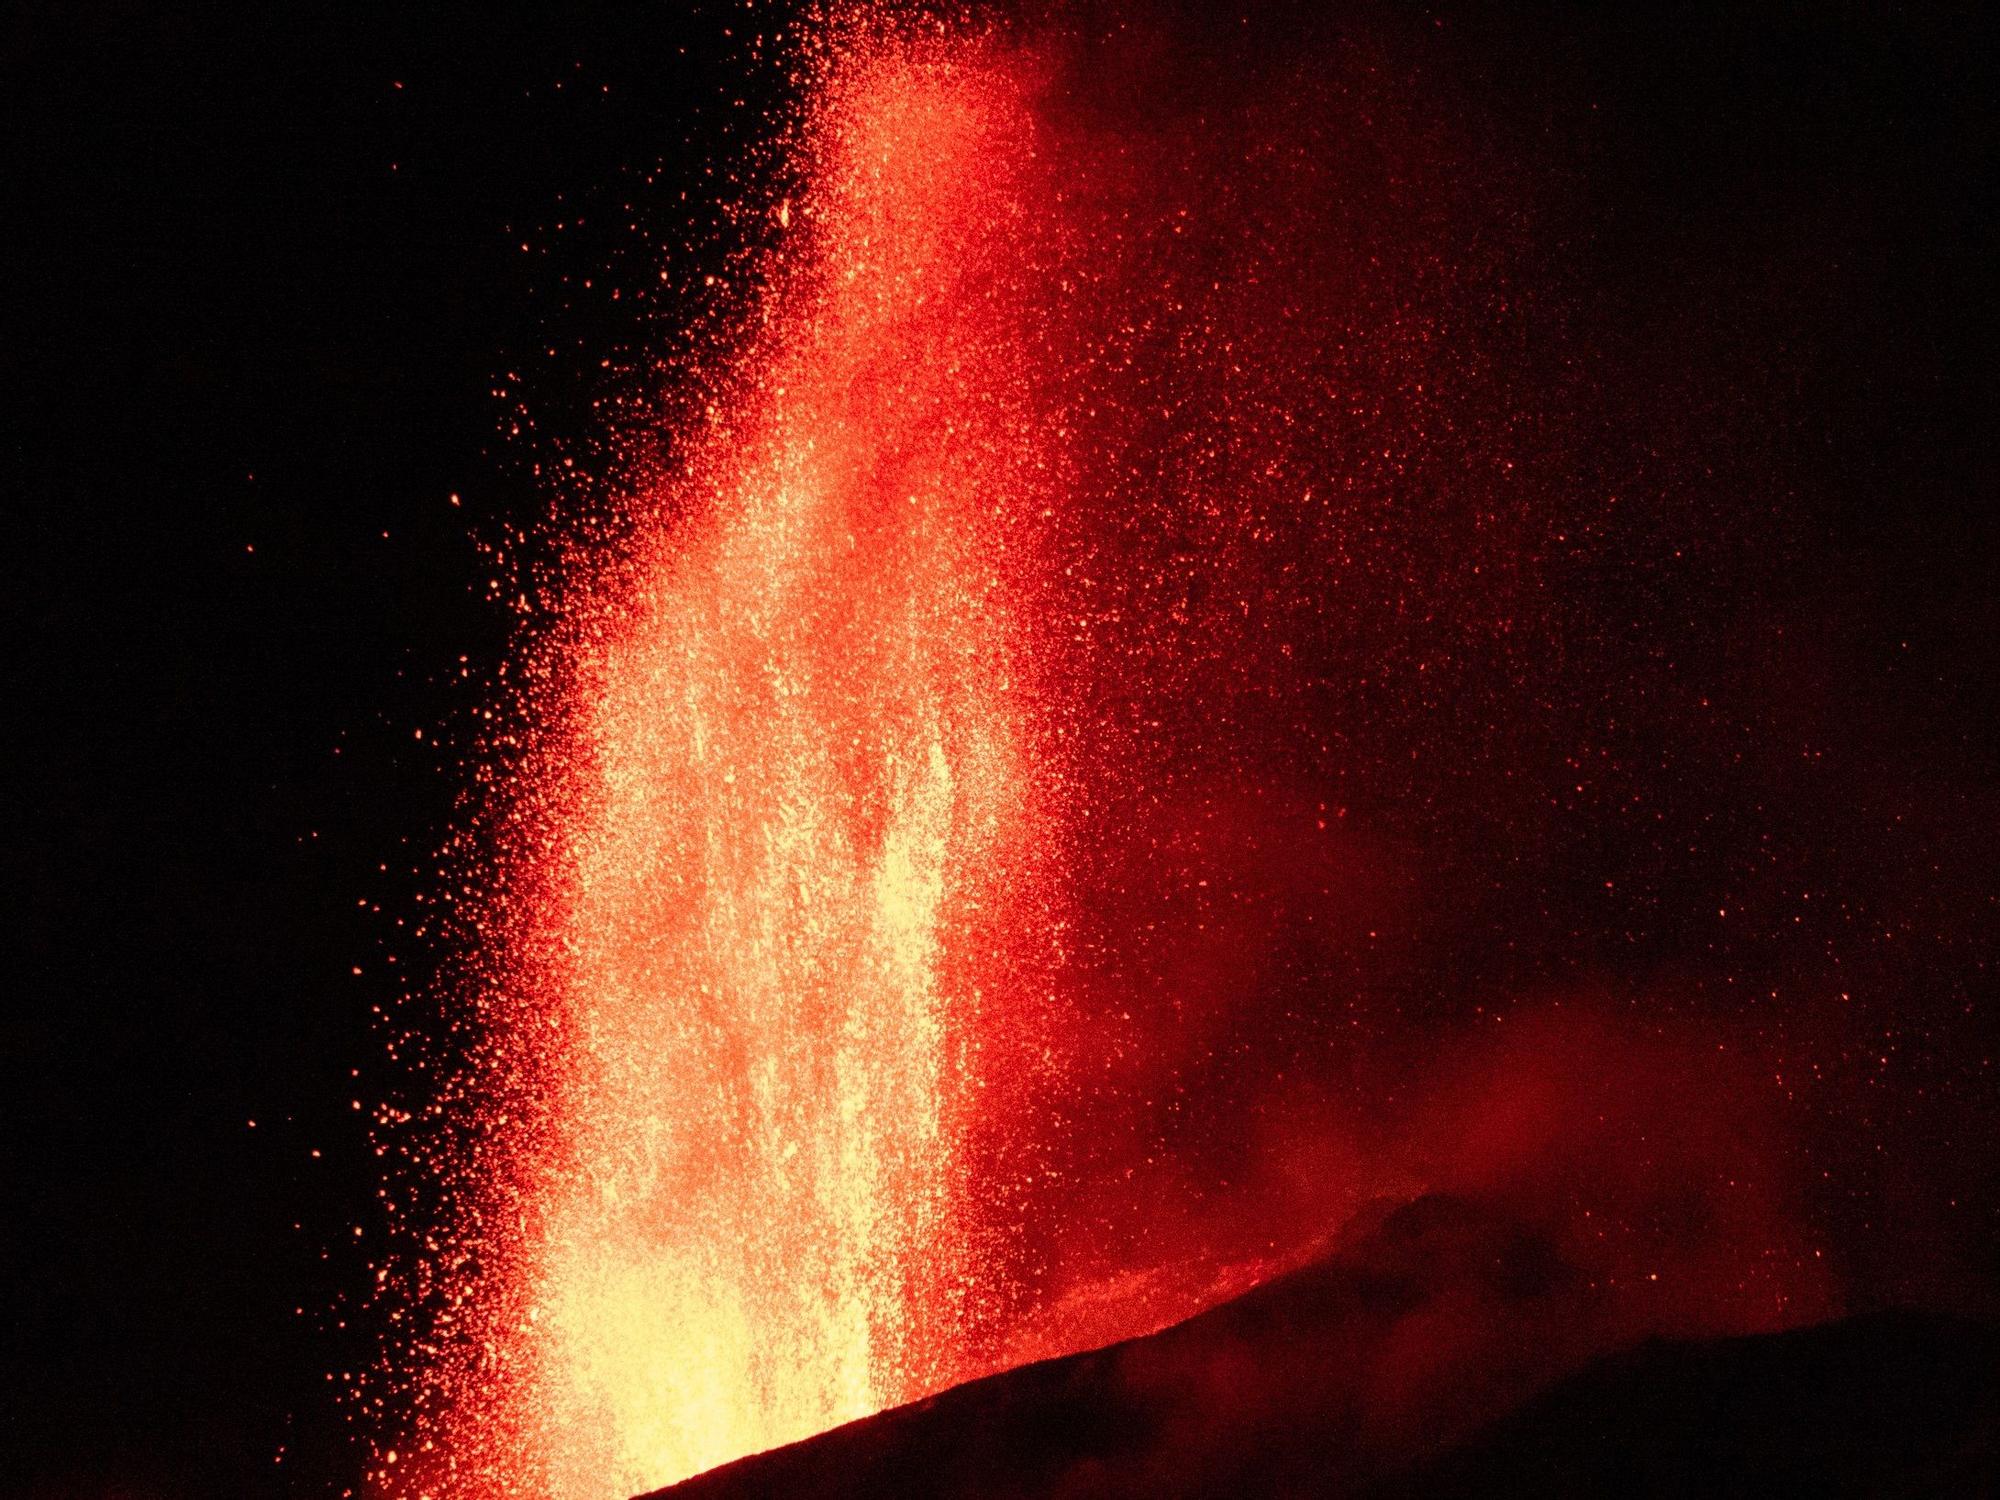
1000, 750
1157, 698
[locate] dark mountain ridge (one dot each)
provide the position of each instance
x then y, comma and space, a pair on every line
1443, 1349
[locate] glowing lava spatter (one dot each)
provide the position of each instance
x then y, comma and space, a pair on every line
803, 764
784, 799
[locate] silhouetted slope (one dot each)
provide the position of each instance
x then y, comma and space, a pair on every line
1894, 1404
1386, 1369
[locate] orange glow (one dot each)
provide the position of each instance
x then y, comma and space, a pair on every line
781, 819
801, 756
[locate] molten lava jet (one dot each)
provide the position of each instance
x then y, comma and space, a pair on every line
799, 783
785, 807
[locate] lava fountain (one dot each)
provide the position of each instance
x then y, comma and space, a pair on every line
785, 841
801, 771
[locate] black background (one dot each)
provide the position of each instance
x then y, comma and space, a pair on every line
271, 275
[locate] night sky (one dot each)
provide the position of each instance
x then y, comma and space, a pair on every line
272, 278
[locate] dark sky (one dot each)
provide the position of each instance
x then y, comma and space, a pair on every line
270, 268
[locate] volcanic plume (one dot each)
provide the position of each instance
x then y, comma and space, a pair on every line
1164, 693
